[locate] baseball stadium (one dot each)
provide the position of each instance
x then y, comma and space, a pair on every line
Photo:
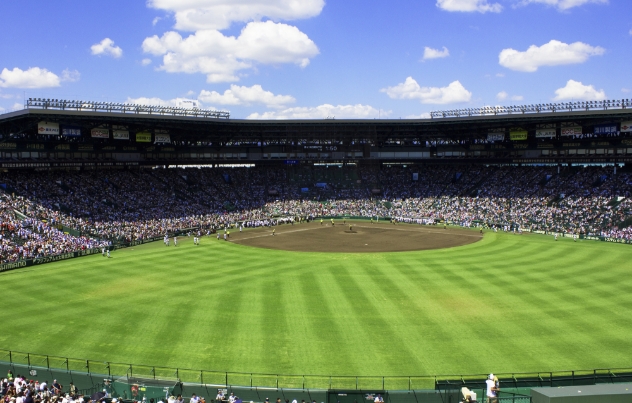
158, 251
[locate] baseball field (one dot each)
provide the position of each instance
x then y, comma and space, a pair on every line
315, 299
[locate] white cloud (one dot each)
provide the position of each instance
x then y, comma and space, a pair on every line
238, 95
70, 75
503, 96
195, 15
625, 90
575, 90
469, 6
145, 62
425, 115
554, 53
34, 77
17, 106
430, 53
106, 47
323, 112
221, 57
410, 89
563, 5
150, 101
156, 20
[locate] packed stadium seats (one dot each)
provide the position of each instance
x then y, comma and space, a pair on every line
110, 206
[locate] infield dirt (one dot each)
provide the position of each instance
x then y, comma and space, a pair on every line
362, 237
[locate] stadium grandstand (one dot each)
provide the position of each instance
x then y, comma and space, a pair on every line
78, 175
80, 178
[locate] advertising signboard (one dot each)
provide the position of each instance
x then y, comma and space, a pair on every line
71, 131
518, 135
143, 137
100, 133
495, 136
120, 135
545, 133
571, 131
48, 128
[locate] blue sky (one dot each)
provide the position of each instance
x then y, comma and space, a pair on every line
277, 59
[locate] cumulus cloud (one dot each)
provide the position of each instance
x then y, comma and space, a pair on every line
503, 96
106, 47
575, 90
469, 6
70, 75
563, 5
33, 77
410, 89
17, 106
145, 62
195, 15
238, 95
425, 115
554, 53
358, 111
430, 53
150, 101
221, 57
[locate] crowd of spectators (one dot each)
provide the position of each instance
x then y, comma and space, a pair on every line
23, 237
19, 389
129, 205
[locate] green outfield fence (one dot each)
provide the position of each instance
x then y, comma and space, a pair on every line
64, 367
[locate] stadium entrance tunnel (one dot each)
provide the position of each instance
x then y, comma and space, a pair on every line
362, 237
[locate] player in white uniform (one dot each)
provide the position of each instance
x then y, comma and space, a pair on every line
175, 241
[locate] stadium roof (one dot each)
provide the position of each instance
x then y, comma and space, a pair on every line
208, 129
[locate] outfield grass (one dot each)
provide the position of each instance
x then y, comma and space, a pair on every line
509, 303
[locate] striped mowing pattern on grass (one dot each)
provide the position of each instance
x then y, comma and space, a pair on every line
509, 303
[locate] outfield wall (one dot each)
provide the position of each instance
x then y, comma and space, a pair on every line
120, 379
